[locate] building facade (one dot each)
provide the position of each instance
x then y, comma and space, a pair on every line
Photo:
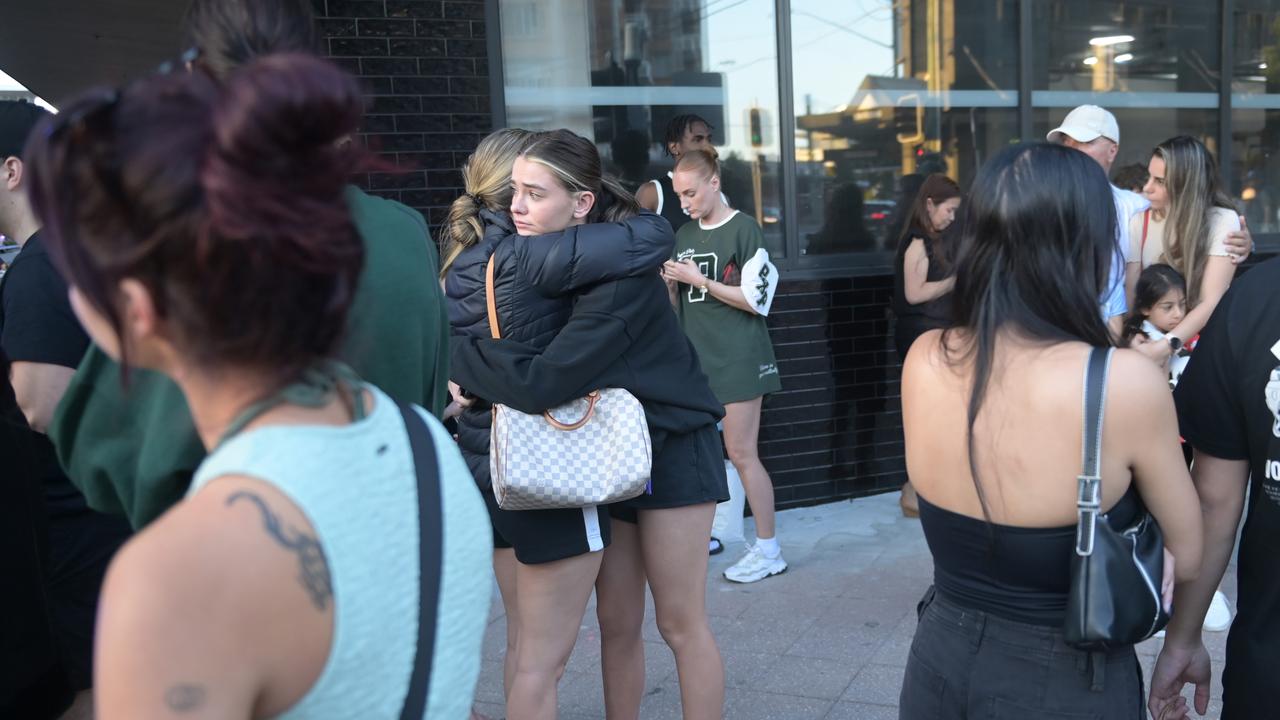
851, 97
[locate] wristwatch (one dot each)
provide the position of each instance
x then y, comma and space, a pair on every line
703, 285
1175, 342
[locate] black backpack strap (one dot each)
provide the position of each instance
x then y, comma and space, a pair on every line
1089, 498
430, 549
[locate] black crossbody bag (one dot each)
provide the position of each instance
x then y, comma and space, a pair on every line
430, 548
1116, 573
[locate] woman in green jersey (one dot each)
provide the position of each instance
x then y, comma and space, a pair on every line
723, 286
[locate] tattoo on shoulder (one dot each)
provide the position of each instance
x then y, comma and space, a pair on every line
184, 697
313, 568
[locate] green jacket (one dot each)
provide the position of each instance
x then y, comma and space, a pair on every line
132, 450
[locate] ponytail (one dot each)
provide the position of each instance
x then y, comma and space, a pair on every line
487, 179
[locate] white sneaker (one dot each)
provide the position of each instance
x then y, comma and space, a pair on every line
755, 566
1219, 616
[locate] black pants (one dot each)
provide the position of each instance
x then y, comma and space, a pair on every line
966, 664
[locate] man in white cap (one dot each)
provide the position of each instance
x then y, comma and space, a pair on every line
1093, 131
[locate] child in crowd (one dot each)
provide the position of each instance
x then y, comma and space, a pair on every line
1160, 303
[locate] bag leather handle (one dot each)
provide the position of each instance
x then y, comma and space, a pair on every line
490, 306
592, 397
1089, 497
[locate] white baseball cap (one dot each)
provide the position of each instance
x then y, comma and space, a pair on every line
1086, 124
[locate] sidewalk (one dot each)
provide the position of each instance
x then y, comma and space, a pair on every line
827, 639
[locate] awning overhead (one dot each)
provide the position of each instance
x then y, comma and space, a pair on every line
57, 48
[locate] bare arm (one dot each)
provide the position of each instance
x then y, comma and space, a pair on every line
1144, 407
1218, 273
915, 275
1220, 485
1132, 270
39, 388
689, 274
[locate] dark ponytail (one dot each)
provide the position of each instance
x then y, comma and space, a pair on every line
226, 202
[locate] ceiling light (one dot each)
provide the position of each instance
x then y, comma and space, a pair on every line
1091, 61
1110, 40
1124, 58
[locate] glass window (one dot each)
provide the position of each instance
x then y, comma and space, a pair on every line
1254, 175
886, 92
617, 71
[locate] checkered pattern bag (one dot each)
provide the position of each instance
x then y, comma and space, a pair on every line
590, 451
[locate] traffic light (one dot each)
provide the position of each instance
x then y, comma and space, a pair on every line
757, 128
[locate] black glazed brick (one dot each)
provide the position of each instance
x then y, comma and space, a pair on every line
418, 47
464, 10
386, 28
414, 9
357, 47
355, 9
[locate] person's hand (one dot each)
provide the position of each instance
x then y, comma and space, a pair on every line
1240, 242
1167, 582
1138, 340
452, 410
455, 392
1159, 351
684, 271
1175, 667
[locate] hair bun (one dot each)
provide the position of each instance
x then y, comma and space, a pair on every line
280, 155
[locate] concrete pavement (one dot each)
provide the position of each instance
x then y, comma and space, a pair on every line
827, 639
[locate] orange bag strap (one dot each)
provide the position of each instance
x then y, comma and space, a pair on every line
489, 301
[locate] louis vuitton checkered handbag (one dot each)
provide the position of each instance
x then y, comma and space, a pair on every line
590, 451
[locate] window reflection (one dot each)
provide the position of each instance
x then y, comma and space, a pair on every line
618, 71
930, 88
1254, 177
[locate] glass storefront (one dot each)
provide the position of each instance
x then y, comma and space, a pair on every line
853, 102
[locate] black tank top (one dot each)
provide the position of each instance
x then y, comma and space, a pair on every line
1021, 574
669, 203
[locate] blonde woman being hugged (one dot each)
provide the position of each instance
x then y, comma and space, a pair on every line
1187, 227
723, 284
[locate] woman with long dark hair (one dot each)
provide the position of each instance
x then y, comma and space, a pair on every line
924, 277
205, 232
992, 411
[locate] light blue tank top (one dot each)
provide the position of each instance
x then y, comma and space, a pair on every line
357, 486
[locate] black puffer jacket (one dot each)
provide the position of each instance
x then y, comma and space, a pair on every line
534, 280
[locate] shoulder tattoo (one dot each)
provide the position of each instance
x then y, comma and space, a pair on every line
313, 568
184, 697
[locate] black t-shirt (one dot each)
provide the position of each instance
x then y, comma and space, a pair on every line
36, 320
26, 642
1228, 401
38, 325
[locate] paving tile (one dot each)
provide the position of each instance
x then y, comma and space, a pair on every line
862, 711
876, 685
752, 705
806, 677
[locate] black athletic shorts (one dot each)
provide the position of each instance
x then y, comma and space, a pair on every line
542, 536
687, 470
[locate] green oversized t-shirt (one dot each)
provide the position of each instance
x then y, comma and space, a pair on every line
133, 450
733, 345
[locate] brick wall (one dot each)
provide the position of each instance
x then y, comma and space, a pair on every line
425, 66
835, 429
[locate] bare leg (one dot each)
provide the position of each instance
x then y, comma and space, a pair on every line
620, 609
504, 567
741, 436
675, 561
553, 598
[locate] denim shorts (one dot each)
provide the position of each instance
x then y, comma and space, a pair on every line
968, 664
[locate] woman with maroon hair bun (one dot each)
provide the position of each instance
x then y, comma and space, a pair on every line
204, 231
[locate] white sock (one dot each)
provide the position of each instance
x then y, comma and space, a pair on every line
769, 546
